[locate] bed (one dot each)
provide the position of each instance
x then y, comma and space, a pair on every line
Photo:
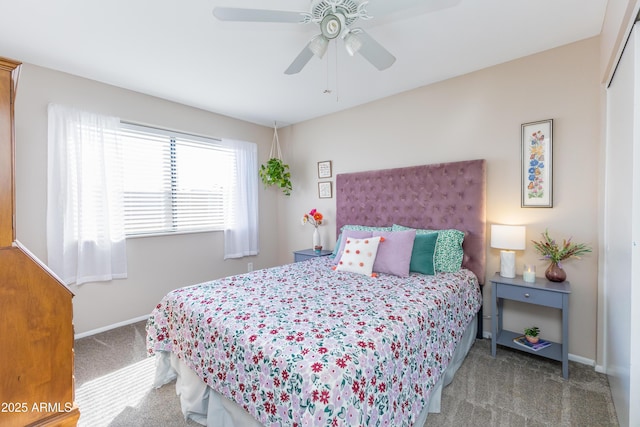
306, 344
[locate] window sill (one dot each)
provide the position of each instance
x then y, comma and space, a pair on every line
172, 233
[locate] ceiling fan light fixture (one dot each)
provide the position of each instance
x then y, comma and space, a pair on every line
332, 25
318, 45
352, 43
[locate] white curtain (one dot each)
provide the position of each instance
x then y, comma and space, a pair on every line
241, 202
85, 226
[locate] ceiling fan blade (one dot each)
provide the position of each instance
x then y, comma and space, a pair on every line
257, 15
373, 51
376, 8
301, 60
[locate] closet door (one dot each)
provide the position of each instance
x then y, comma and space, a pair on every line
622, 234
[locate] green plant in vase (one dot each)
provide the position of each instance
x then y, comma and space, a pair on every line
531, 334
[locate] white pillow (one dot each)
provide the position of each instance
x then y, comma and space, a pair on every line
359, 255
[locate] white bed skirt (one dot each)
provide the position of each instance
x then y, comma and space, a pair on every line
207, 407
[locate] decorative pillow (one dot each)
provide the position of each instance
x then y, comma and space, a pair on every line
338, 248
394, 255
449, 253
423, 254
359, 255
350, 233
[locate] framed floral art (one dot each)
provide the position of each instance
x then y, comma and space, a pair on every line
537, 161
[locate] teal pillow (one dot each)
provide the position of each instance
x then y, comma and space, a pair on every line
449, 253
423, 255
335, 249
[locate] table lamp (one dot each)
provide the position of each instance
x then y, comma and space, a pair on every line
508, 238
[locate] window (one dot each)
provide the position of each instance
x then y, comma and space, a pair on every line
173, 182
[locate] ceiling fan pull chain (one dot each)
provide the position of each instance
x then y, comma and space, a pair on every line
336, 62
327, 85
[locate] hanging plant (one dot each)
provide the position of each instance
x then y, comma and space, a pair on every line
276, 171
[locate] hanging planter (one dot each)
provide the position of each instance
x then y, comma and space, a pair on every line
275, 171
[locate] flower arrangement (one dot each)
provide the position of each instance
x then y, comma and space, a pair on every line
550, 250
313, 217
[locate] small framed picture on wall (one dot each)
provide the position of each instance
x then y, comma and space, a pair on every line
324, 190
536, 163
324, 169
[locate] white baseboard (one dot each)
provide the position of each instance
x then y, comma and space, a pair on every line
601, 369
583, 360
109, 327
572, 357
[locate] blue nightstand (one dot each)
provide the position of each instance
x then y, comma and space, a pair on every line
306, 254
542, 292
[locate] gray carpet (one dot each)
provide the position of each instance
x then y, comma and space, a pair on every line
114, 377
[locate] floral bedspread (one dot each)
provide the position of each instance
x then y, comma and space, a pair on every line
303, 345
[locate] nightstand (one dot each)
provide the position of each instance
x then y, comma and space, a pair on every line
542, 292
306, 254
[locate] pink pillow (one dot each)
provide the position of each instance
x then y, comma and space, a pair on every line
394, 256
358, 234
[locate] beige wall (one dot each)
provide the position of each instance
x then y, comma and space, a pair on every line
478, 116
156, 264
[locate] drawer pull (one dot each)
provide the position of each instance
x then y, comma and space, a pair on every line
527, 295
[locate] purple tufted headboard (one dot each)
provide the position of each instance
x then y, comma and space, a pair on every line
438, 196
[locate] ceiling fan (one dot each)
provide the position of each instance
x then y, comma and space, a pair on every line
335, 18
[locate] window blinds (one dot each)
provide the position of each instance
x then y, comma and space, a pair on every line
174, 182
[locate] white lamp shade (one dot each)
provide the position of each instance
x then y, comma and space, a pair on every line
510, 237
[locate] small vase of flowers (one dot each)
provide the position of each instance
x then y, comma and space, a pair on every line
549, 249
314, 218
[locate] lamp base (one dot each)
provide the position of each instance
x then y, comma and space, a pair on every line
508, 264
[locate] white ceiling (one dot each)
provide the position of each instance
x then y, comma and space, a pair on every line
179, 51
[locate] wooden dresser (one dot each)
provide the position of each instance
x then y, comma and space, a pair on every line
36, 329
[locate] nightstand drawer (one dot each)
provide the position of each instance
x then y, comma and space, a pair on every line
306, 254
302, 257
529, 295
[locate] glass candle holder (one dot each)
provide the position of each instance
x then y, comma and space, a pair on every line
529, 273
